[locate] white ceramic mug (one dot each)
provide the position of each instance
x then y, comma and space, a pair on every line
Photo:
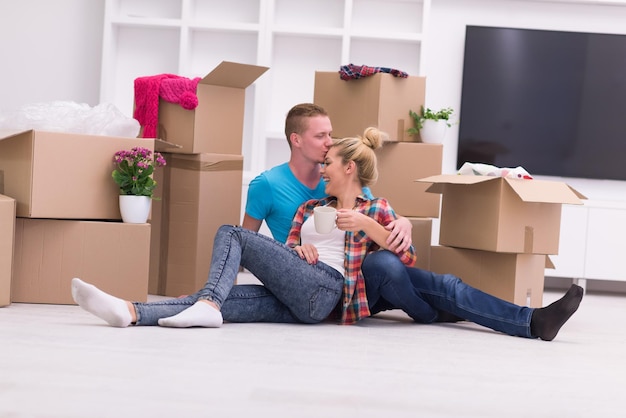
324, 218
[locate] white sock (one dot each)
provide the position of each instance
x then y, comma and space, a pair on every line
109, 308
200, 314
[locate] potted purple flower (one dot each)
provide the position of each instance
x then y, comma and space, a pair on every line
133, 174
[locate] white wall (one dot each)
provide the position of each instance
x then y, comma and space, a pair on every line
51, 50
443, 53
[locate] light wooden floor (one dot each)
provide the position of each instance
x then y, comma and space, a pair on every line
59, 361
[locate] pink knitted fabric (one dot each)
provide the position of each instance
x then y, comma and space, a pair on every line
181, 91
170, 87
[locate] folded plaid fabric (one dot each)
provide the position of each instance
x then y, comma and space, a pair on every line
353, 72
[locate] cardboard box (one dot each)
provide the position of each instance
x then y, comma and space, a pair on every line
158, 231
7, 236
113, 256
517, 278
201, 192
422, 238
216, 125
380, 100
399, 164
62, 175
500, 214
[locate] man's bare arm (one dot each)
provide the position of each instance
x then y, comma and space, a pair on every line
400, 238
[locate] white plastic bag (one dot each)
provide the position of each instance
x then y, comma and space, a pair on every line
480, 169
65, 116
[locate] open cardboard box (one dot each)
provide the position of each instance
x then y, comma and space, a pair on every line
62, 175
380, 100
500, 214
7, 236
216, 124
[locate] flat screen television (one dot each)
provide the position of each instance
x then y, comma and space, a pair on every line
552, 102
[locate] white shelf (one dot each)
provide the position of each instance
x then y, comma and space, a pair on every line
591, 242
225, 27
400, 37
231, 12
147, 23
313, 14
145, 9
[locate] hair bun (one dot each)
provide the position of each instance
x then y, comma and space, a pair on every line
374, 138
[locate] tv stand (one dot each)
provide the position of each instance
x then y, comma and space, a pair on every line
592, 242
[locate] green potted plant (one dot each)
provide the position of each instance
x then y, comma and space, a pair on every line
430, 124
133, 174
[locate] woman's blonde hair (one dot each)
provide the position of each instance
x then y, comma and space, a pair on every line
360, 149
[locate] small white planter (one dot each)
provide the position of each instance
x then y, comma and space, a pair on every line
433, 131
135, 209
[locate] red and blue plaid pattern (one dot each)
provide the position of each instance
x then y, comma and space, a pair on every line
358, 245
353, 72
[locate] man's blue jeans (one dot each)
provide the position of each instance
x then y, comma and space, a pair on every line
429, 297
293, 290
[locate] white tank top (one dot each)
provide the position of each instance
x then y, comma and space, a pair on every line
330, 247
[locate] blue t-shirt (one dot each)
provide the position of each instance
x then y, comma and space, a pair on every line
276, 194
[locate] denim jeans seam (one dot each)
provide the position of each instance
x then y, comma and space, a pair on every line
220, 271
460, 305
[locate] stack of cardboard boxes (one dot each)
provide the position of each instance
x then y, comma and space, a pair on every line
384, 101
59, 211
60, 218
497, 233
200, 187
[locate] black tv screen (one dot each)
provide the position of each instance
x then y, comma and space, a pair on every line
552, 102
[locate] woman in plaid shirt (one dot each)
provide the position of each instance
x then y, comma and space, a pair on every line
349, 166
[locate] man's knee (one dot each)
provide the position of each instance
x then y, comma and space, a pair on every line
381, 263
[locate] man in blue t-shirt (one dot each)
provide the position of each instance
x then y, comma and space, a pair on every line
274, 195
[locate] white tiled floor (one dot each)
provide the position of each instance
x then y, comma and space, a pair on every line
59, 361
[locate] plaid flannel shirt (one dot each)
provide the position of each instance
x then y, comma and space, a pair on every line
354, 72
354, 300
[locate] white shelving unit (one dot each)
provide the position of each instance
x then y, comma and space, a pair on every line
591, 245
294, 38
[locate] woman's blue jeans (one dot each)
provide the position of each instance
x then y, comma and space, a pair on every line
293, 290
429, 297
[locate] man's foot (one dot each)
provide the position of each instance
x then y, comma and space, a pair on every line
200, 314
546, 322
109, 308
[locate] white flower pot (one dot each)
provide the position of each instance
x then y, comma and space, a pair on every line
135, 209
433, 131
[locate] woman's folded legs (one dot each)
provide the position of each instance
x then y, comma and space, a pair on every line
294, 291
